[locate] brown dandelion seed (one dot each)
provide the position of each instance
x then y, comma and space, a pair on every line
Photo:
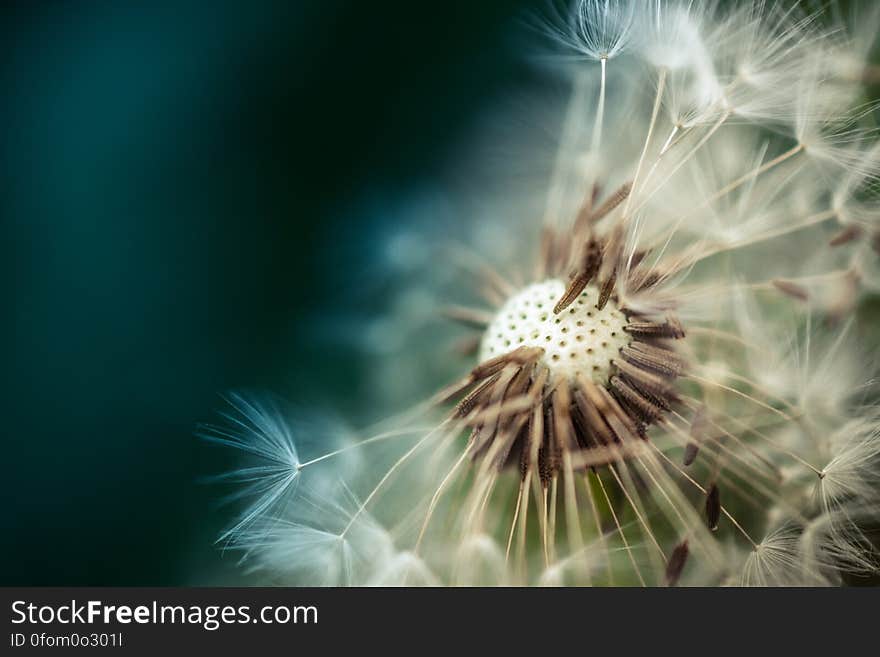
608, 206
690, 453
671, 328
606, 290
642, 406
713, 507
590, 262
657, 359
676, 563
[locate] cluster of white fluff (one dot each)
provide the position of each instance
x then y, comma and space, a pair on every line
752, 152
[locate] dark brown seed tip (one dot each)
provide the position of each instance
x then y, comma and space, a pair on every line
575, 287
713, 507
671, 328
690, 453
519, 356
606, 290
616, 198
676, 563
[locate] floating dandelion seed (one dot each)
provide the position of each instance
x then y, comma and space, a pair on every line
668, 392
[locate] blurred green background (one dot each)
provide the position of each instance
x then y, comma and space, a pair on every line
182, 185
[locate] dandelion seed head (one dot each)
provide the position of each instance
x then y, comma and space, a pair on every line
656, 377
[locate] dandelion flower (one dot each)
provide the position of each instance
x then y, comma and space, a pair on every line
665, 385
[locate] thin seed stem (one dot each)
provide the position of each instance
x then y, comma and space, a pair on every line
519, 498
436, 497
684, 159
572, 518
754, 173
382, 436
699, 535
703, 490
620, 532
773, 473
599, 532
635, 509
774, 444
523, 526
544, 526
600, 111
812, 220
388, 474
661, 82
755, 484
739, 393
554, 485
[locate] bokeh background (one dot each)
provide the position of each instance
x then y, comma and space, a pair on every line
183, 186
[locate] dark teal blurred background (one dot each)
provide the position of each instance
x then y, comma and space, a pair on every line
181, 191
